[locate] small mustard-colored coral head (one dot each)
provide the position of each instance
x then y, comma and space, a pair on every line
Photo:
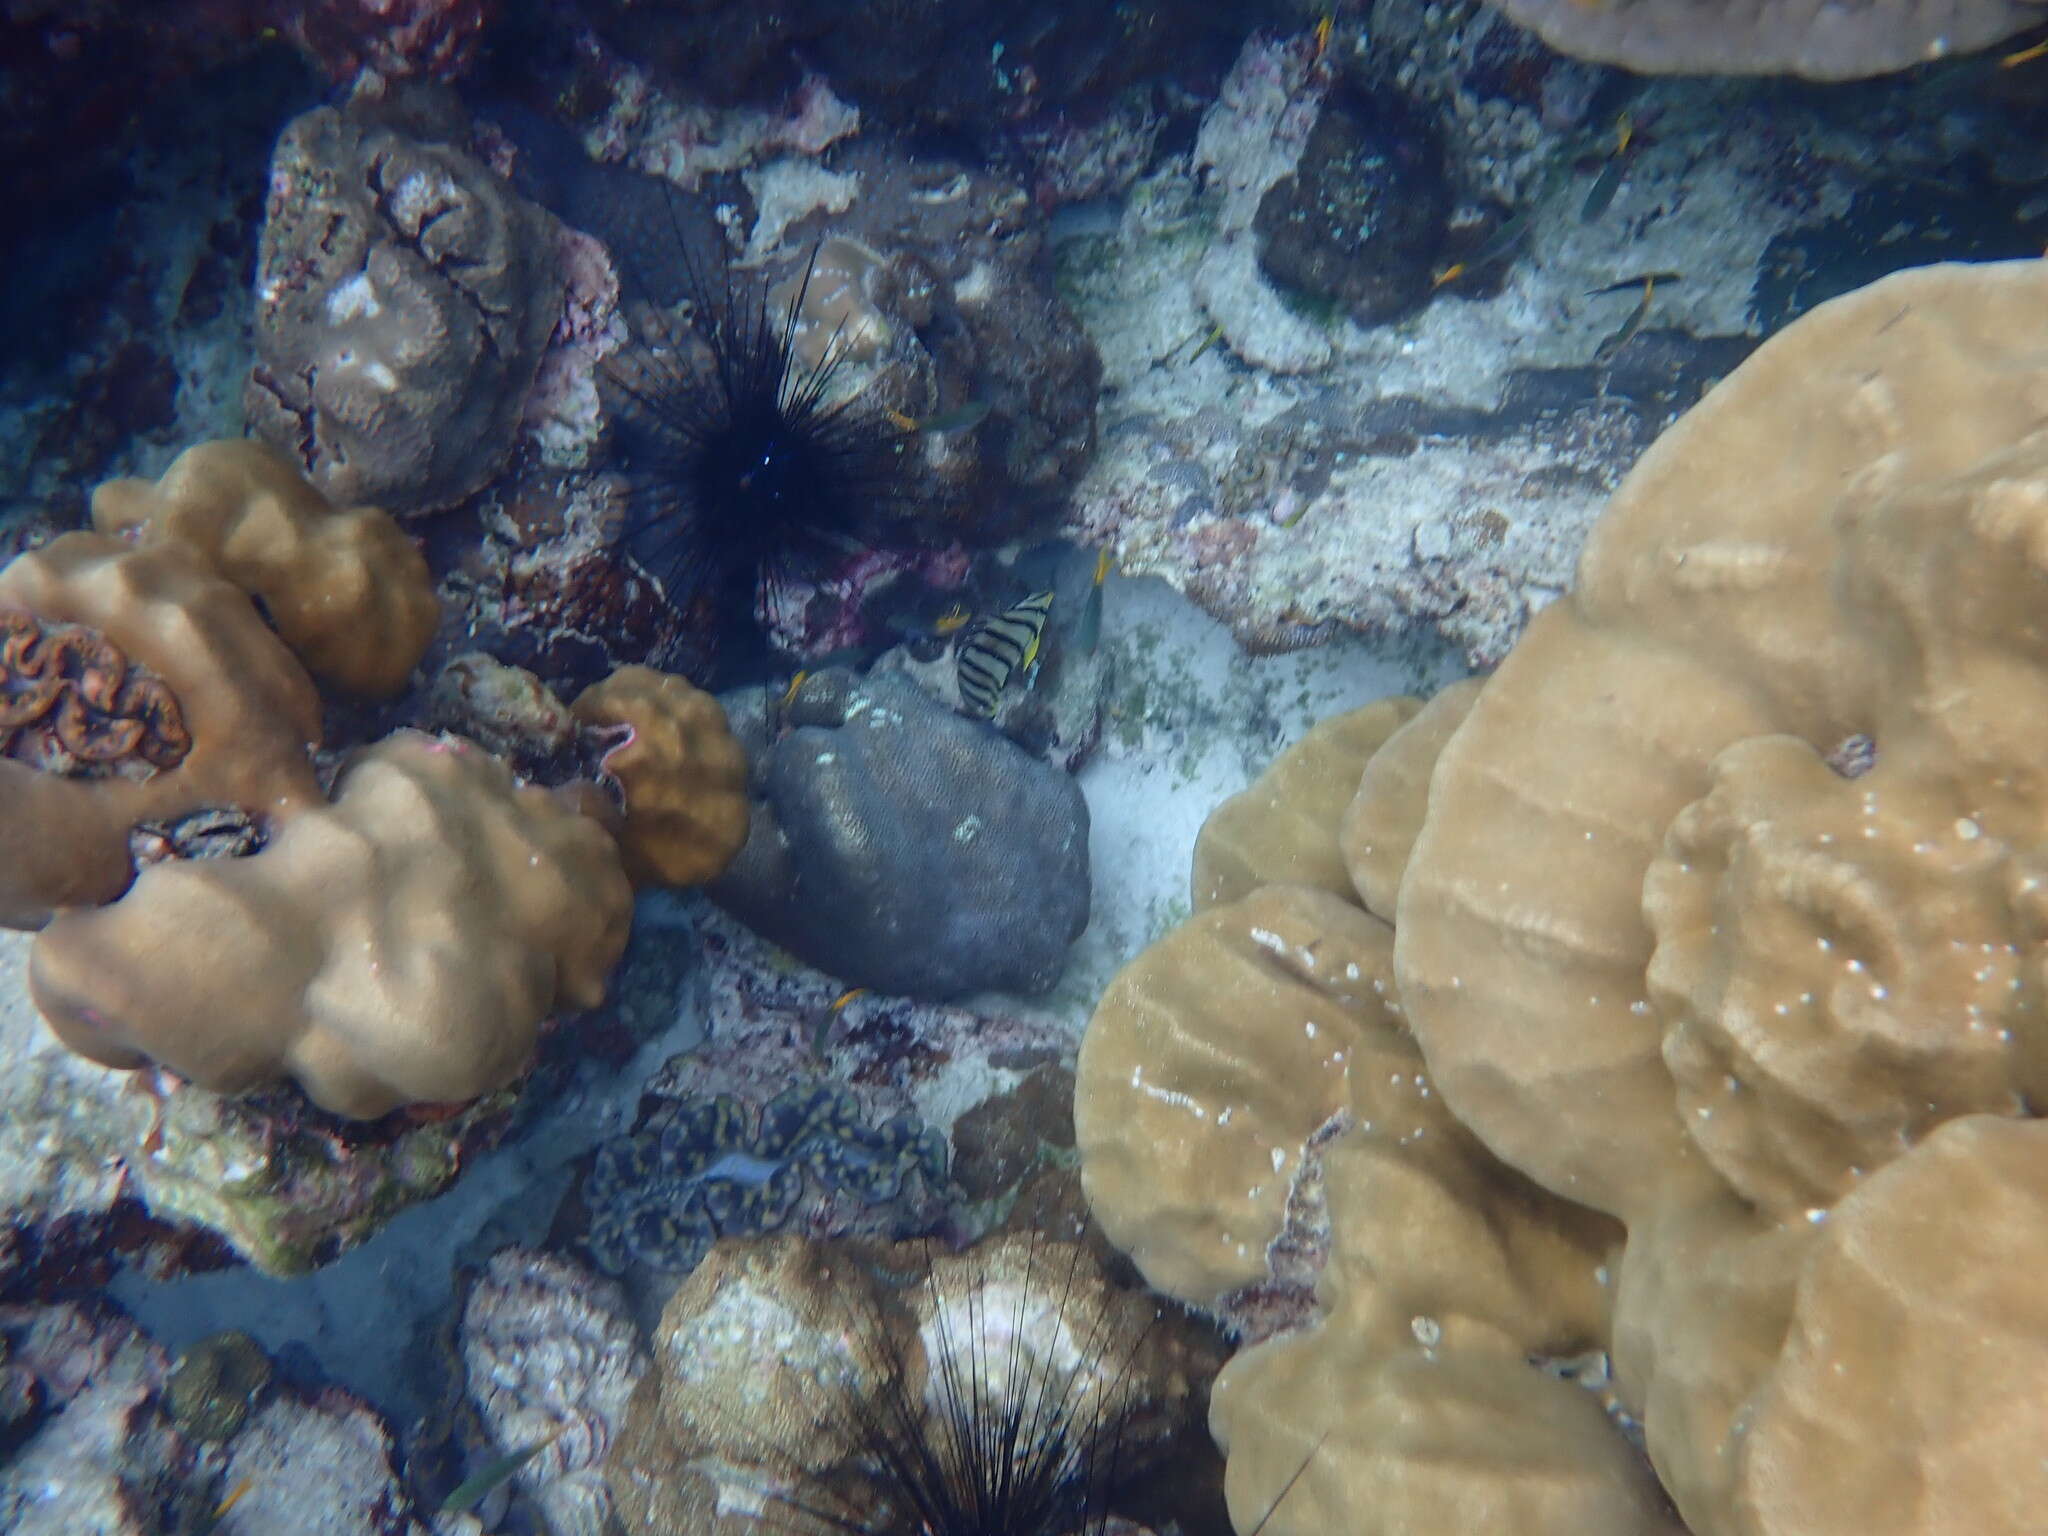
683, 774
347, 590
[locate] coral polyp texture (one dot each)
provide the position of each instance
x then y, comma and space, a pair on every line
402, 945
679, 769
1685, 1011
404, 297
344, 587
122, 642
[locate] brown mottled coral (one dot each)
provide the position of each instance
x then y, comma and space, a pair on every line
400, 946
246, 713
682, 772
405, 294
1669, 950
344, 587
1820, 39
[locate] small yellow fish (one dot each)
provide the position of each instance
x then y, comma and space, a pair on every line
1103, 560
789, 696
1323, 29
1449, 274
1215, 335
959, 419
235, 1496
2024, 56
821, 1026
1624, 132
953, 619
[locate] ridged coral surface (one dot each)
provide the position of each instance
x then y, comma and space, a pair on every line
401, 946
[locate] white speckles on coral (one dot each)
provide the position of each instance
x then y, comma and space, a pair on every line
548, 1350
353, 299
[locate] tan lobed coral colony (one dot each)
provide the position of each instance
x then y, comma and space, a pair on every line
401, 944
1686, 1005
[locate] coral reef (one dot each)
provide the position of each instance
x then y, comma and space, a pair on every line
401, 946
405, 295
681, 772
344, 588
1764, 37
1701, 925
549, 1351
974, 65
1251, 137
899, 846
704, 1169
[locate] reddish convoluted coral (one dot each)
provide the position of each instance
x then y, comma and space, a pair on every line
71, 703
432, 39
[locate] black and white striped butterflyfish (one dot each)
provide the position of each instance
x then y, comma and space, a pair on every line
996, 649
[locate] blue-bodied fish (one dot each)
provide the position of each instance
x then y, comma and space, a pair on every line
998, 648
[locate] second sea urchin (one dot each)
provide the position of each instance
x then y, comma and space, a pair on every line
1008, 1414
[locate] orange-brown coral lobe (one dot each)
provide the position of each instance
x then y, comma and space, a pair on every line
71, 703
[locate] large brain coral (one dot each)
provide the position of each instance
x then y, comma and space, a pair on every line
404, 296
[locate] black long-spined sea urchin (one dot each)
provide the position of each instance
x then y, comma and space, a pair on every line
1015, 1426
746, 468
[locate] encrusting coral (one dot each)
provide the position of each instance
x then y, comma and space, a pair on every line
1715, 913
680, 770
344, 587
400, 946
